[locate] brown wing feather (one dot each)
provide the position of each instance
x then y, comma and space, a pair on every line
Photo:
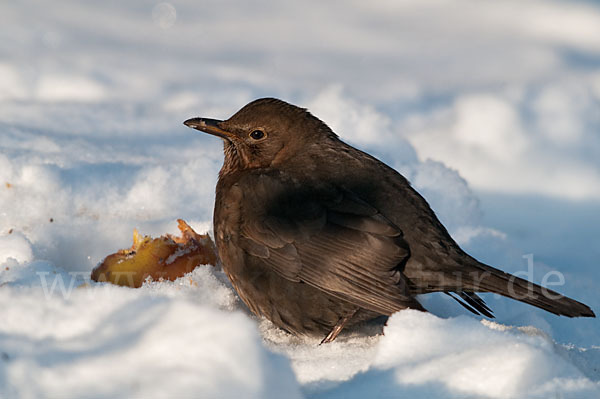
330, 239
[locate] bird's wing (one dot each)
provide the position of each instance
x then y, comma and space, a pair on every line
327, 237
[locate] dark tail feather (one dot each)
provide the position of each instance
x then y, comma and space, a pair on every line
498, 282
472, 303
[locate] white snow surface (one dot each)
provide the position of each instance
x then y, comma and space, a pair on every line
490, 109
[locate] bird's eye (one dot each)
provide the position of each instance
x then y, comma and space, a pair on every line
257, 134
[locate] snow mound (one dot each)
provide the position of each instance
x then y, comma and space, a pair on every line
116, 342
423, 356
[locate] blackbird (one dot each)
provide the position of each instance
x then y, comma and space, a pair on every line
316, 235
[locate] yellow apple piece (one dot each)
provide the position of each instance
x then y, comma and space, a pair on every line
163, 258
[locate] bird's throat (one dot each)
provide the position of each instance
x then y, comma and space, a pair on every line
238, 157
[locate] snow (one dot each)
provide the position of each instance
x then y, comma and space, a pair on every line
490, 109
108, 341
487, 361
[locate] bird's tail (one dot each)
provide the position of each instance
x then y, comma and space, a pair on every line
484, 278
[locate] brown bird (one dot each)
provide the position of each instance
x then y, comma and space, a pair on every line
316, 235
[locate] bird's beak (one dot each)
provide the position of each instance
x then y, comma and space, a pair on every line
210, 126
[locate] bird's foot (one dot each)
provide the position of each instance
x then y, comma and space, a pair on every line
337, 329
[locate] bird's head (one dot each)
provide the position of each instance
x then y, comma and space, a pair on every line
264, 133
